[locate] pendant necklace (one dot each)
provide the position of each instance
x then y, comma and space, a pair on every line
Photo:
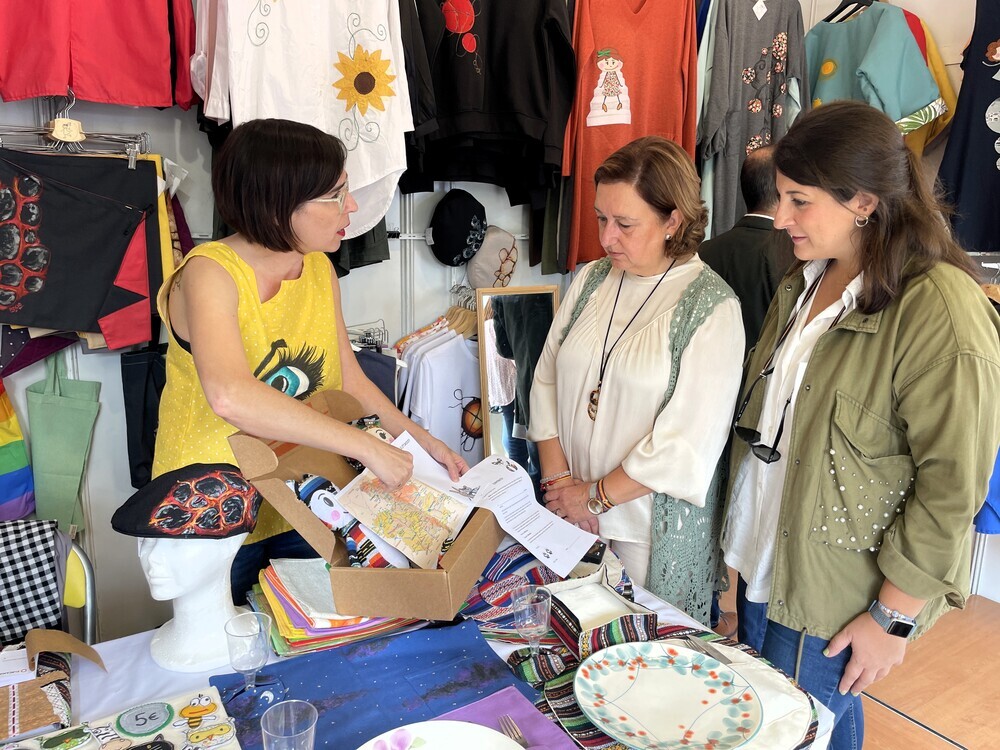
595, 395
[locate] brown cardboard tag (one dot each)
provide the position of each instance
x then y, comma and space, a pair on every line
39, 640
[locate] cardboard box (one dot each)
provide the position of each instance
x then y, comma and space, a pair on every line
372, 592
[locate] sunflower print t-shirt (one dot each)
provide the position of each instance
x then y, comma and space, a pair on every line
290, 343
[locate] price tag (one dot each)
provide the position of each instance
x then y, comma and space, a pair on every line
64, 129
759, 9
145, 719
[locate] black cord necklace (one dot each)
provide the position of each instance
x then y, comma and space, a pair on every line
595, 395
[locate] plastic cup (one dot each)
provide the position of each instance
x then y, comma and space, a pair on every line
289, 725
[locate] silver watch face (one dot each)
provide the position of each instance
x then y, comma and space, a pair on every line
889, 624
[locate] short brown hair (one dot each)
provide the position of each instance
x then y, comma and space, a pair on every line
847, 147
663, 175
268, 168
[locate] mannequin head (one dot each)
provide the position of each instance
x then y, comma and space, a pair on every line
194, 575
191, 523
180, 567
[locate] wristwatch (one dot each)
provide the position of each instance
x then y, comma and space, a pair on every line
891, 621
593, 504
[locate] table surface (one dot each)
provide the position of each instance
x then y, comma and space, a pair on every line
133, 677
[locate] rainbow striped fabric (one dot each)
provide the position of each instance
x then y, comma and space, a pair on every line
17, 487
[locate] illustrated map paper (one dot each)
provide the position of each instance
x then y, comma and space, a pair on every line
416, 519
431, 508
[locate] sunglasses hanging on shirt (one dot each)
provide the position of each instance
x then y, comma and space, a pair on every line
750, 435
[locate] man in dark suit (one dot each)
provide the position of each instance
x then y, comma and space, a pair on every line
752, 257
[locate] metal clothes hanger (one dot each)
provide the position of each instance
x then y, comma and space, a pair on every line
64, 134
462, 315
372, 335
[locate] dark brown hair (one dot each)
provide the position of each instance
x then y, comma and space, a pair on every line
268, 168
847, 147
663, 175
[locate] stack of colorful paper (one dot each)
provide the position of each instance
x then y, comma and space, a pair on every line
296, 594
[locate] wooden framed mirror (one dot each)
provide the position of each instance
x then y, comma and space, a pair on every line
513, 321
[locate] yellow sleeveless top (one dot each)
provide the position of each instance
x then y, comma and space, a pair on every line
290, 343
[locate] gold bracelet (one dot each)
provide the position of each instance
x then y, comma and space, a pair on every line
603, 496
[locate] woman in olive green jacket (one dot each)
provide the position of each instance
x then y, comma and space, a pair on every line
867, 426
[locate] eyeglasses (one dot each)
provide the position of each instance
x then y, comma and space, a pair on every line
340, 197
766, 453
770, 453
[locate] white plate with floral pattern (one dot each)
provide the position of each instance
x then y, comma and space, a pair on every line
661, 696
441, 735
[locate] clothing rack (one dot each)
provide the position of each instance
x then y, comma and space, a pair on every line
372, 335
65, 135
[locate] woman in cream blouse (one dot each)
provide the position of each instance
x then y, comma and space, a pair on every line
607, 442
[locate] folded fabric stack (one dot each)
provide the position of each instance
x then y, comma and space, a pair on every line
296, 594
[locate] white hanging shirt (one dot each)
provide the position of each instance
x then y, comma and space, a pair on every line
501, 373
338, 66
752, 520
413, 355
447, 399
210, 61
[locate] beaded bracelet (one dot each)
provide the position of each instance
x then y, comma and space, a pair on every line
555, 477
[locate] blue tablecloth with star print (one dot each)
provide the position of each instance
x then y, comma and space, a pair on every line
364, 689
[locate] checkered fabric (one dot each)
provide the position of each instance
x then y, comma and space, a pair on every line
29, 591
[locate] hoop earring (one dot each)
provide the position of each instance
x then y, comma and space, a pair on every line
861, 221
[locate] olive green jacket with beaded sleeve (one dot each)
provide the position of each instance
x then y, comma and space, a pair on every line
896, 428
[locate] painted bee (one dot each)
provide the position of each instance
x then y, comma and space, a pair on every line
199, 709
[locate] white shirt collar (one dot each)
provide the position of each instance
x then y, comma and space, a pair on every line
814, 268
759, 216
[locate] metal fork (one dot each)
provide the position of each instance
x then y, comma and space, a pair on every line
509, 728
703, 647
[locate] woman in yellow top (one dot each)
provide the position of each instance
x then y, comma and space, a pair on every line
255, 325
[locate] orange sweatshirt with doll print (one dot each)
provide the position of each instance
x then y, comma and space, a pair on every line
636, 76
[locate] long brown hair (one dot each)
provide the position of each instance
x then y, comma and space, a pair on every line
663, 175
847, 147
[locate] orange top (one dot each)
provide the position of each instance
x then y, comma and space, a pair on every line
636, 76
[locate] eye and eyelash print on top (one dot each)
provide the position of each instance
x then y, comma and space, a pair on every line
299, 373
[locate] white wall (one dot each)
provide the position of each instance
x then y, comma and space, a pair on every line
379, 291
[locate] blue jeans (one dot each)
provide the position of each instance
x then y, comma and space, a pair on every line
517, 448
253, 558
818, 674
520, 450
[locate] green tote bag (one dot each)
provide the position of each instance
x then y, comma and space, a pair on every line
61, 416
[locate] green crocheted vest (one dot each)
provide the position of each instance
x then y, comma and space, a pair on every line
686, 560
